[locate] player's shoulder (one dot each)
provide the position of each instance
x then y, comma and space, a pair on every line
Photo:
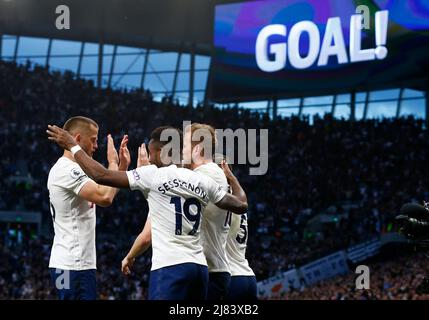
209, 167
149, 168
62, 165
171, 170
186, 174
65, 169
189, 175
213, 171
144, 174
181, 173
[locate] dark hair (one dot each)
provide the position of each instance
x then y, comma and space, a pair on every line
156, 135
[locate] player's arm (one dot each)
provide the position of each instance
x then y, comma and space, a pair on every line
141, 244
232, 203
103, 196
98, 194
237, 201
92, 168
144, 239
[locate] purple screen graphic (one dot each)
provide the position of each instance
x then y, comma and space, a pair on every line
236, 29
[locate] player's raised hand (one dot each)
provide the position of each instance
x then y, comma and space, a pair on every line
142, 157
112, 154
124, 154
61, 137
126, 265
227, 170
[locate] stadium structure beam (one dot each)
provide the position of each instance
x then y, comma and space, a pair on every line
353, 106
100, 62
173, 90
209, 84
112, 65
365, 108
79, 65
427, 107
301, 106
268, 106
399, 105
15, 52
48, 53
334, 104
130, 65
192, 77
146, 61
275, 109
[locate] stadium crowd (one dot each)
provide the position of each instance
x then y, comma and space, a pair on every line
389, 280
374, 166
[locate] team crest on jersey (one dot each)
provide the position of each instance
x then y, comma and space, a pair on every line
76, 173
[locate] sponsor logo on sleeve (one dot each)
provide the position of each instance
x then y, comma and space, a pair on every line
136, 175
76, 173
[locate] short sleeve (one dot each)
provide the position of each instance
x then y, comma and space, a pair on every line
141, 178
215, 191
75, 179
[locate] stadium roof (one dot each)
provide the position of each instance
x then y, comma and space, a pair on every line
159, 24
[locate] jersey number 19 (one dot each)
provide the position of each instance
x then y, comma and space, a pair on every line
195, 218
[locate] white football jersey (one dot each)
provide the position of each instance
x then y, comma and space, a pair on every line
177, 197
236, 246
73, 217
214, 226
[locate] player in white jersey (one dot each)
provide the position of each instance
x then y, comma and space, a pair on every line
177, 197
214, 229
73, 198
214, 224
243, 281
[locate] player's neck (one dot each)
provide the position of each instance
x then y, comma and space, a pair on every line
199, 162
69, 155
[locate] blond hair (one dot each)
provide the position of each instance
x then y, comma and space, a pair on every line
204, 128
79, 124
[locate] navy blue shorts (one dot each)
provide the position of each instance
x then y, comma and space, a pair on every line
218, 285
243, 288
185, 281
74, 285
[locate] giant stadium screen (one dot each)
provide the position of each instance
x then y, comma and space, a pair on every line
291, 48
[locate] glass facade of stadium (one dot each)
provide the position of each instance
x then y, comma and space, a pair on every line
170, 74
